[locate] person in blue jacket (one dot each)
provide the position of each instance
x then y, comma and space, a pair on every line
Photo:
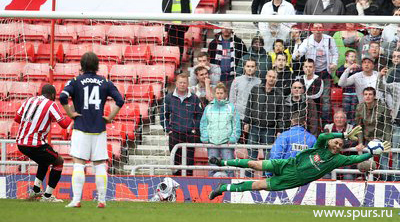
294, 140
220, 124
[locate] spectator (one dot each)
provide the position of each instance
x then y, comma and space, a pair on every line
214, 71
299, 6
392, 90
374, 117
378, 55
176, 32
294, 140
226, 50
388, 6
346, 40
393, 74
340, 125
285, 75
324, 7
350, 100
203, 88
366, 78
278, 7
220, 124
322, 50
292, 45
279, 47
257, 5
258, 53
242, 85
313, 84
263, 115
374, 35
180, 118
362, 7
296, 102
392, 31
272, 31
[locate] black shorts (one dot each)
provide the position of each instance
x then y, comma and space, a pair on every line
41, 155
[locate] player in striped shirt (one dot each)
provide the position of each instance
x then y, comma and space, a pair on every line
34, 117
89, 93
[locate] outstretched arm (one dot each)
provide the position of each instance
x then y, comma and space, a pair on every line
324, 137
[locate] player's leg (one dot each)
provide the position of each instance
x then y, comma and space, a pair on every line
99, 157
239, 187
260, 165
54, 177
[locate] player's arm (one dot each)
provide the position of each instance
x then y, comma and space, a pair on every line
352, 159
324, 137
56, 115
119, 102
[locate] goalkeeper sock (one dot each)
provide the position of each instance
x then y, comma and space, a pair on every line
101, 181
243, 163
238, 187
78, 179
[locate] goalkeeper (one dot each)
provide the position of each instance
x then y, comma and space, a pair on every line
308, 165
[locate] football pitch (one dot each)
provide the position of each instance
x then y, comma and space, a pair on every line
21, 210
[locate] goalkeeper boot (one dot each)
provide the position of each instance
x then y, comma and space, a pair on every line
214, 160
215, 193
51, 199
74, 204
101, 205
34, 196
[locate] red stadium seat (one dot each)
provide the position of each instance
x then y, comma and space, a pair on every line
91, 33
75, 52
141, 93
11, 70
137, 53
114, 149
11, 169
4, 87
10, 31
36, 71
59, 85
5, 128
65, 33
157, 73
4, 49
63, 150
200, 155
66, 71
123, 73
336, 95
14, 130
35, 32
193, 34
158, 90
115, 131
121, 88
23, 89
150, 34
13, 153
57, 132
43, 53
103, 71
165, 54
23, 51
144, 110
209, 3
9, 109
108, 53
121, 33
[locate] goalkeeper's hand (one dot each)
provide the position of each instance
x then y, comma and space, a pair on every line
352, 135
378, 150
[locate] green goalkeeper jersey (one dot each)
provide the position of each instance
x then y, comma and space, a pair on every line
314, 163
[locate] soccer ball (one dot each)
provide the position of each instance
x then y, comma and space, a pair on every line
375, 146
366, 166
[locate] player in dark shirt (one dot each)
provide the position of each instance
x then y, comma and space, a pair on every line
89, 93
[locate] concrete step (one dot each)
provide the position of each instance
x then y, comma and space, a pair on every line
241, 5
156, 130
155, 140
238, 12
145, 171
152, 150
141, 160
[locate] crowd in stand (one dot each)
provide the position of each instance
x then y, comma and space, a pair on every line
248, 94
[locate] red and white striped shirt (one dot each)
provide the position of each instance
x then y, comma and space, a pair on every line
36, 115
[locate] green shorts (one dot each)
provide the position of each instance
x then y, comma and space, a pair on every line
285, 175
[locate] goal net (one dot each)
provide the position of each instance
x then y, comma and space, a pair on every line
278, 76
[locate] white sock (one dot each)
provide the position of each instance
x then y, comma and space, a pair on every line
78, 179
101, 181
49, 190
38, 183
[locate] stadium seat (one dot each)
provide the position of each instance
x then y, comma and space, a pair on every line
150, 34
123, 73
43, 53
158, 90
165, 54
336, 95
10, 31
144, 110
157, 73
23, 89
140, 93
214, 4
22, 51
121, 88
91, 33
13, 153
9, 109
36, 71
200, 155
115, 131
108, 53
65, 33
4, 88
14, 130
57, 132
114, 149
5, 128
67, 71
103, 70
63, 150
35, 33
121, 33
75, 52
4, 49
193, 35
137, 53
59, 85
11, 70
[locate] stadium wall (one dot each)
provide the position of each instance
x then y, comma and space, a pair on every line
141, 188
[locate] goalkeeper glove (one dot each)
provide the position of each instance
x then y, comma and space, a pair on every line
379, 149
352, 135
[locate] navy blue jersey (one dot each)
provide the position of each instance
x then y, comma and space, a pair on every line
89, 93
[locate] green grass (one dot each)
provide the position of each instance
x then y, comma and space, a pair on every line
20, 210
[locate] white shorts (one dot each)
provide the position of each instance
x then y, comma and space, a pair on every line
89, 146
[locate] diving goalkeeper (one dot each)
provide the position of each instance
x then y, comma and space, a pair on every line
308, 165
